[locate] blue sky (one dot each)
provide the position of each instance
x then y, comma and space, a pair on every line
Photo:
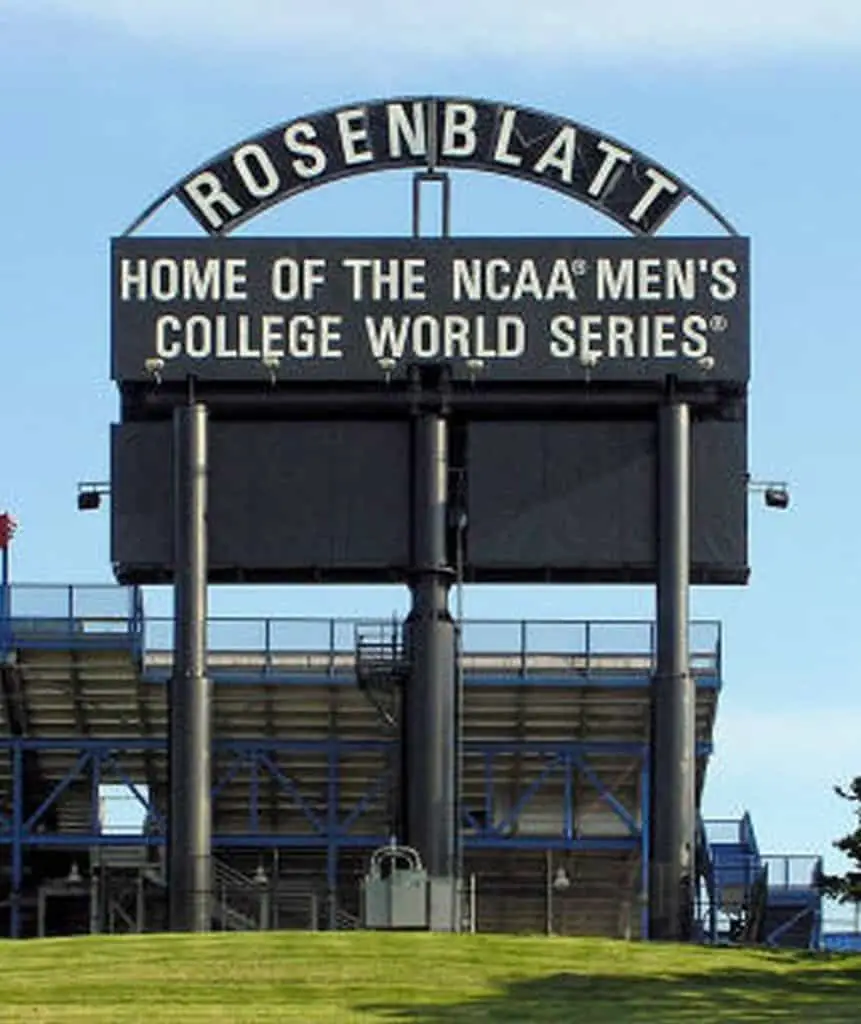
105, 104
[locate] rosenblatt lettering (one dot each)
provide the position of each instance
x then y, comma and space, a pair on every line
473, 134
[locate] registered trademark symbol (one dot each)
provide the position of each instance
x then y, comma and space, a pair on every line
579, 268
718, 323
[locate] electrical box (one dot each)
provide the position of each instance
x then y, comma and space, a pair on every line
395, 890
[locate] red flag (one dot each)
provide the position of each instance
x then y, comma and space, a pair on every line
8, 526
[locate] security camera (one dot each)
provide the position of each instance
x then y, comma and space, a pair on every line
706, 363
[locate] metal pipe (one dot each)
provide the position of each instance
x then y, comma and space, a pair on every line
673, 738
190, 707
17, 841
429, 706
541, 401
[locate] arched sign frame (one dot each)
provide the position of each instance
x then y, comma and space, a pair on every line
431, 134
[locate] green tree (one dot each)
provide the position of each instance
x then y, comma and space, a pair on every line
847, 887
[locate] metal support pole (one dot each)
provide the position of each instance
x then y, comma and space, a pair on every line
548, 892
17, 840
140, 905
95, 898
645, 838
673, 739
5, 600
190, 709
429, 708
332, 829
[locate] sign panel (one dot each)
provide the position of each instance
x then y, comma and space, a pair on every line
301, 501
576, 502
328, 501
497, 310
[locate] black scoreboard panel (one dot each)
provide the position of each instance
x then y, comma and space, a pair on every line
577, 501
287, 501
551, 501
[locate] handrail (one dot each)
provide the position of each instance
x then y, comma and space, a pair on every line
88, 610
798, 871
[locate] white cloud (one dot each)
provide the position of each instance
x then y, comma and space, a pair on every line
570, 30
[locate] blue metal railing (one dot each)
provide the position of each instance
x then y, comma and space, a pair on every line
732, 832
793, 871
39, 615
737, 865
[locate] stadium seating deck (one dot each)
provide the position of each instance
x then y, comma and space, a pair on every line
555, 767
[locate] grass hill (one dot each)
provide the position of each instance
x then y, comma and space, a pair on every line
415, 979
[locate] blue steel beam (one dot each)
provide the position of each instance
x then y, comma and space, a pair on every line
568, 817
511, 819
129, 744
488, 788
604, 793
254, 797
587, 845
133, 788
251, 747
317, 842
330, 839
365, 801
704, 680
233, 770
469, 820
59, 789
566, 754
292, 790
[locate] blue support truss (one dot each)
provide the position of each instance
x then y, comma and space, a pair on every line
74, 618
100, 760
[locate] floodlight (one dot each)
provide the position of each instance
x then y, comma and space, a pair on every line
777, 497
775, 492
89, 500
90, 495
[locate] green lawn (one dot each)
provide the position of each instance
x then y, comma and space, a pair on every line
421, 979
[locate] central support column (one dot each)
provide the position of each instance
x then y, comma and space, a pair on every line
673, 743
430, 697
190, 705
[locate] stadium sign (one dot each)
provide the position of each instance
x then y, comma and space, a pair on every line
315, 356
431, 133
513, 309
